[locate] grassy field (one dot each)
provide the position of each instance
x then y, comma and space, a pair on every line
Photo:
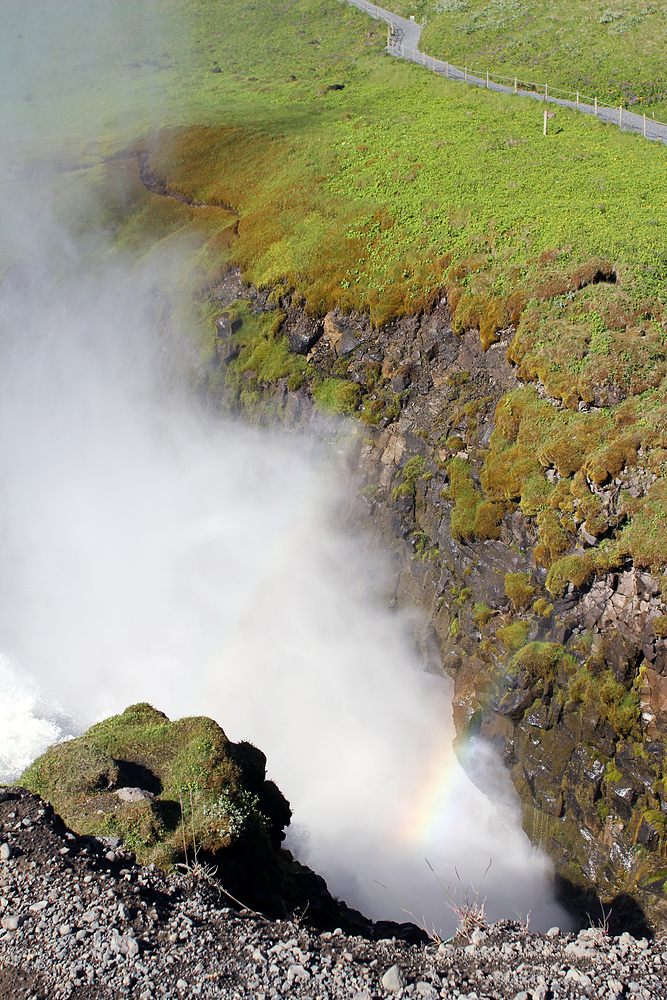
614, 51
355, 195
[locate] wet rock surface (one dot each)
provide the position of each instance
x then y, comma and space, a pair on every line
81, 920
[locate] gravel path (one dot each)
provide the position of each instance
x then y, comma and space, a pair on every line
78, 919
404, 43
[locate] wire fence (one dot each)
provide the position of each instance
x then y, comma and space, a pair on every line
403, 41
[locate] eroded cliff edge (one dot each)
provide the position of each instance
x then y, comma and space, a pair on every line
517, 475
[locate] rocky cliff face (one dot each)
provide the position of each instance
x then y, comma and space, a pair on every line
509, 506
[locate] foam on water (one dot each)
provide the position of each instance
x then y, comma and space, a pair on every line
25, 732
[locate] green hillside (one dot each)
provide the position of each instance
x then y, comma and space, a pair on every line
612, 51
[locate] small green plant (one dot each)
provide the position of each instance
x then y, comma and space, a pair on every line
463, 596
238, 813
410, 474
542, 608
612, 773
481, 614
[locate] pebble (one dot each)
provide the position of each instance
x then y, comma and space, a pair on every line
394, 979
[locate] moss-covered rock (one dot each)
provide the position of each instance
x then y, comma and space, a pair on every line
197, 787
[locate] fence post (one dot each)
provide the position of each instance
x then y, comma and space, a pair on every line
546, 94
577, 100
515, 85
544, 130
644, 125
595, 110
465, 74
487, 79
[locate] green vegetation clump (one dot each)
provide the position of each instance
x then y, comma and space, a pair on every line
542, 660
473, 516
612, 773
513, 636
336, 395
571, 569
519, 589
409, 475
542, 608
660, 626
188, 758
481, 615
617, 706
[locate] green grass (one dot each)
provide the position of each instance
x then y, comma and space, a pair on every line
614, 51
354, 196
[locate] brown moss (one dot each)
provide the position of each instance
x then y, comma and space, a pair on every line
515, 303
612, 457
645, 537
568, 445
660, 626
495, 317
535, 495
551, 535
590, 271
473, 516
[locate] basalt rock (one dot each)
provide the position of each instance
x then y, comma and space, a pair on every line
568, 684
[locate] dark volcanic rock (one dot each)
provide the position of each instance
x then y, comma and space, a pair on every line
594, 678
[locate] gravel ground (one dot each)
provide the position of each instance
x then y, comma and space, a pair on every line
79, 919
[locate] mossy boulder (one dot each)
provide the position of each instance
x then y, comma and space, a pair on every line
189, 786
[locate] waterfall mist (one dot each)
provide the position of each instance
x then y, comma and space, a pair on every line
154, 552
151, 551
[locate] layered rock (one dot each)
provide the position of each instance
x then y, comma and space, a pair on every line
553, 635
